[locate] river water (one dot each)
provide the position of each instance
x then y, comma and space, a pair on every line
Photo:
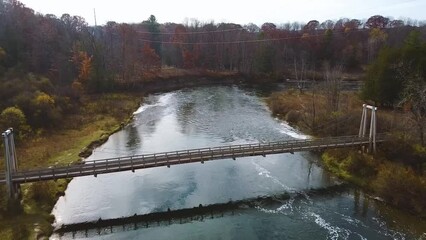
215, 116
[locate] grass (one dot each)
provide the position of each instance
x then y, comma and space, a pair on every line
98, 117
311, 113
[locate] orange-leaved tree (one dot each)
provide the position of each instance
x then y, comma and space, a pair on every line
150, 59
83, 63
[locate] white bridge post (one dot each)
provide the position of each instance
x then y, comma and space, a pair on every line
373, 129
11, 163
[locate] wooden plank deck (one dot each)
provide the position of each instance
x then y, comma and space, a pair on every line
132, 163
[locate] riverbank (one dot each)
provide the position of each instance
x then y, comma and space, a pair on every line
79, 132
169, 79
395, 173
97, 118
214, 116
100, 116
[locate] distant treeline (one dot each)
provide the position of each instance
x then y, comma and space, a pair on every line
66, 57
63, 48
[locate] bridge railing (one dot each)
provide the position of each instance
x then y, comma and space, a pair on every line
240, 147
201, 154
330, 140
220, 148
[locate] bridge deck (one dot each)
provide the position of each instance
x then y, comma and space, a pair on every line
135, 162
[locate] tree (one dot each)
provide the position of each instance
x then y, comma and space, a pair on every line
340, 24
328, 24
252, 28
382, 84
154, 29
150, 60
189, 58
377, 21
45, 111
83, 63
265, 60
414, 98
353, 24
129, 54
14, 117
396, 23
326, 52
333, 83
412, 69
267, 27
376, 38
311, 26
300, 69
398, 76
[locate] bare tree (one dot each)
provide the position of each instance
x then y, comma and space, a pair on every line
333, 82
300, 72
414, 98
376, 39
310, 113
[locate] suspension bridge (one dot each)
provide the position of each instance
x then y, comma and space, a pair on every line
14, 177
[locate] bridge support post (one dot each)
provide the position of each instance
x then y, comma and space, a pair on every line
363, 127
372, 138
11, 163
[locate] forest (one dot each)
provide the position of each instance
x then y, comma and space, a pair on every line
57, 73
48, 62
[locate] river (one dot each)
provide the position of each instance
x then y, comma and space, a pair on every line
215, 116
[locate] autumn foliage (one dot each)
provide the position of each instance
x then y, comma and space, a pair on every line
67, 58
83, 63
150, 59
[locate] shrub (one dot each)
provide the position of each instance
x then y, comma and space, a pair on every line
43, 193
402, 187
280, 103
330, 162
293, 116
359, 164
15, 118
45, 111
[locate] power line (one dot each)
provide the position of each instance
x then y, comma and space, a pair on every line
193, 32
246, 41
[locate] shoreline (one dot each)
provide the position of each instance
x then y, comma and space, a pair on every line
105, 136
158, 85
88, 129
351, 166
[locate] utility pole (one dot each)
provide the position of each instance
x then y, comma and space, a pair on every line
94, 14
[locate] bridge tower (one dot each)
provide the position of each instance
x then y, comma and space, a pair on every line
11, 163
373, 123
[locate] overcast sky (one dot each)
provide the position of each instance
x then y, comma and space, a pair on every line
236, 11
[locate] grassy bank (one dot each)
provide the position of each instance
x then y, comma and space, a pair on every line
77, 132
97, 118
396, 173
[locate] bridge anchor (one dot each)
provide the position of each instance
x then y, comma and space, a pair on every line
13, 189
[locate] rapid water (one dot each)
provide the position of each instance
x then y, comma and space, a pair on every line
216, 116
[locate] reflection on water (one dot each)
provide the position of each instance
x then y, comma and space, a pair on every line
133, 140
208, 117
